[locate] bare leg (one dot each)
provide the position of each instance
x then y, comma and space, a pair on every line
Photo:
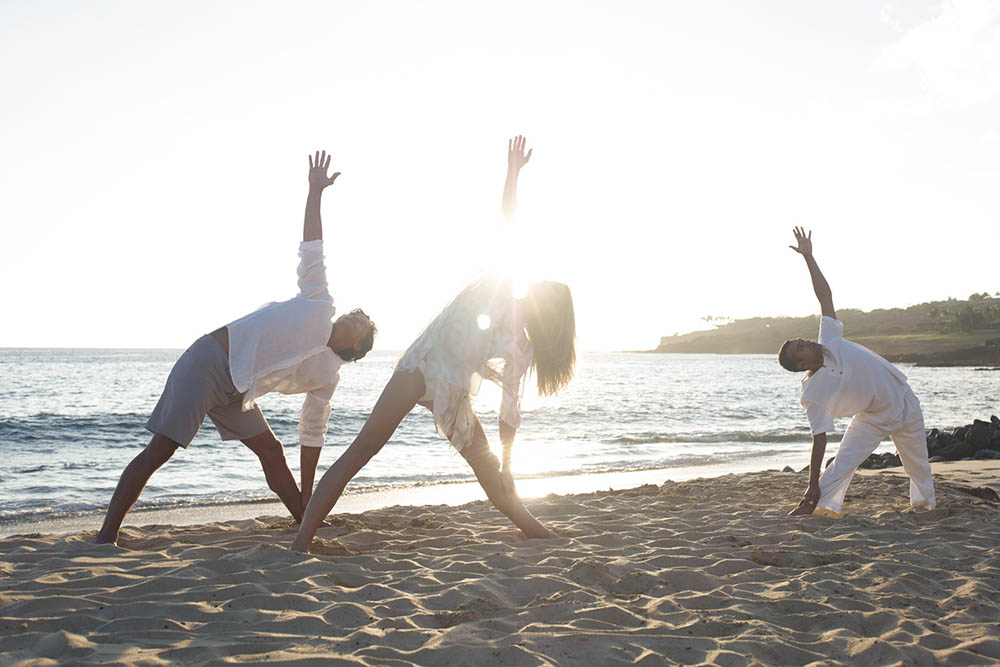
487, 468
396, 401
279, 477
132, 482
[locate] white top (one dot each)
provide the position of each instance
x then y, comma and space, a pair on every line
480, 334
283, 347
852, 381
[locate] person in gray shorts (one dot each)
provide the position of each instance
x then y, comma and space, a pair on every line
292, 347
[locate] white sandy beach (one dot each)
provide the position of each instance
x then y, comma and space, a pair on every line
701, 571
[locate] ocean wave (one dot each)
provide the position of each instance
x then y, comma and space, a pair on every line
650, 438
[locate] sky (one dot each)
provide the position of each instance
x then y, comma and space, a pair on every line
153, 159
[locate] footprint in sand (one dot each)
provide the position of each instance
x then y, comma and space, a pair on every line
798, 559
476, 609
330, 548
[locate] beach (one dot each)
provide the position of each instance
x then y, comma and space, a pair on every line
700, 571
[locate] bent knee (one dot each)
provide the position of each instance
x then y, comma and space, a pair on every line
356, 457
481, 458
160, 449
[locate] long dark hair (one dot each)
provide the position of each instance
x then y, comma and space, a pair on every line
551, 326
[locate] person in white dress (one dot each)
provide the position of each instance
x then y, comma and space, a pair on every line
844, 379
483, 333
291, 347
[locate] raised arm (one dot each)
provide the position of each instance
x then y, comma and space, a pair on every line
312, 228
516, 158
820, 286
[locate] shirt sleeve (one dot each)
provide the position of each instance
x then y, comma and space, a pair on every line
830, 330
312, 271
315, 415
515, 366
820, 419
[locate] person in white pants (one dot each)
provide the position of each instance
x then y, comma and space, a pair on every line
844, 379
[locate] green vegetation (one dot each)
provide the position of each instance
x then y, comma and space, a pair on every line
926, 328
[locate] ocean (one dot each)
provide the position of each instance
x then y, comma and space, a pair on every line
71, 419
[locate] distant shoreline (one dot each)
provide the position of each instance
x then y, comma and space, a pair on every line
987, 357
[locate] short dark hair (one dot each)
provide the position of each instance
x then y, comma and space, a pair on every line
785, 359
350, 354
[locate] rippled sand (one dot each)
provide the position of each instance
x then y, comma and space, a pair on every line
702, 571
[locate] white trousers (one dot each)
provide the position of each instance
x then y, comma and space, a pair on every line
861, 439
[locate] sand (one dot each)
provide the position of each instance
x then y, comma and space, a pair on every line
701, 571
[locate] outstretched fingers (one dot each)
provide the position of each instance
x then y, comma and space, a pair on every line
319, 165
516, 156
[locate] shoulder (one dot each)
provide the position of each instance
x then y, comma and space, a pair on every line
820, 386
830, 329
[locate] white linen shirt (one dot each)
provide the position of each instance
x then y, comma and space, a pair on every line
852, 381
465, 344
283, 347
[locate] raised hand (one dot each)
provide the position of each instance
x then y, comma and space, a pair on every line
804, 240
516, 157
317, 171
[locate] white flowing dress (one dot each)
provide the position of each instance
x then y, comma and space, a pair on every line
478, 335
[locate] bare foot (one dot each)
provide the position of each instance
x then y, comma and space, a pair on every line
804, 507
103, 539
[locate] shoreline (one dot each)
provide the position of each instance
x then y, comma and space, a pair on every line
451, 495
704, 571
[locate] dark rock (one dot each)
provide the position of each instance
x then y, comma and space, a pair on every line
880, 461
959, 450
959, 432
891, 460
995, 421
937, 459
943, 441
829, 461
788, 469
988, 454
806, 469
978, 434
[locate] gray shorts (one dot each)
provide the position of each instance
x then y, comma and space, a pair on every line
200, 384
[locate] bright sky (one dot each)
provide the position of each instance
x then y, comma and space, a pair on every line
153, 158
